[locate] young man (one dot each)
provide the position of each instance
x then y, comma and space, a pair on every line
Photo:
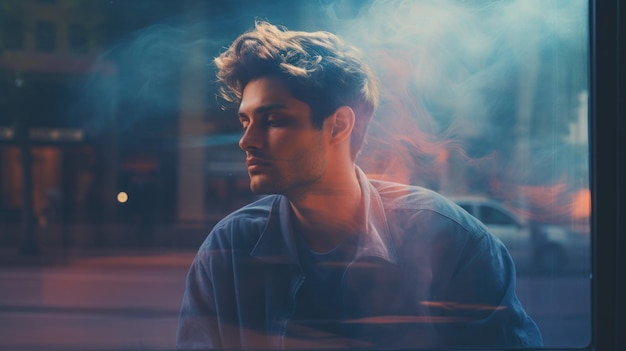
330, 259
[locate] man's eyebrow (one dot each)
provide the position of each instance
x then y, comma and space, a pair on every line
264, 109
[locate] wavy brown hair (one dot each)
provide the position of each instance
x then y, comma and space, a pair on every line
318, 68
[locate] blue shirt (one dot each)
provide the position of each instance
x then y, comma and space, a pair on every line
425, 274
319, 305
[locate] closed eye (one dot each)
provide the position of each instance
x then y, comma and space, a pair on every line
244, 122
277, 122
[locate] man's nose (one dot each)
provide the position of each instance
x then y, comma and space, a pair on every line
251, 138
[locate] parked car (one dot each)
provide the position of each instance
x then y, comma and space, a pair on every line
534, 247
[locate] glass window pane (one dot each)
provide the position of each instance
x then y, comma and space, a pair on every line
45, 36
490, 215
12, 34
118, 160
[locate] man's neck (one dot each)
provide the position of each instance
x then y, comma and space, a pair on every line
327, 215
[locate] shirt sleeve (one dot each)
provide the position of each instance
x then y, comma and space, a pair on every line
481, 305
197, 324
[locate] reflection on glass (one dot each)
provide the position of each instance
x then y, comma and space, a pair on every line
117, 159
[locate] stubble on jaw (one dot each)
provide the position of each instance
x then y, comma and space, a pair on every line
296, 176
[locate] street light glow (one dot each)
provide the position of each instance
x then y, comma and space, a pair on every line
122, 197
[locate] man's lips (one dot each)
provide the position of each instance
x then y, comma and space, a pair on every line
254, 163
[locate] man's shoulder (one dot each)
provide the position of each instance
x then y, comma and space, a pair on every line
242, 225
410, 202
411, 197
254, 211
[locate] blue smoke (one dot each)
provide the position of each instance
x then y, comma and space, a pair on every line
464, 78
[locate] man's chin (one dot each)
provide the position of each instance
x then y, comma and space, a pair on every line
260, 187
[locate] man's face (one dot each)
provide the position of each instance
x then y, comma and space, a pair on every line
285, 154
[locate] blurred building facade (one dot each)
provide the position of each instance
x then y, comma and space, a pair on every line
45, 49
67, 183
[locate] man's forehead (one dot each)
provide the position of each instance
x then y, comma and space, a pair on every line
263, 93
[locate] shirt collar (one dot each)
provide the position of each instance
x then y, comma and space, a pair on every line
277, 243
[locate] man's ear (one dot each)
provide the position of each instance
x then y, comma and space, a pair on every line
342, 123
